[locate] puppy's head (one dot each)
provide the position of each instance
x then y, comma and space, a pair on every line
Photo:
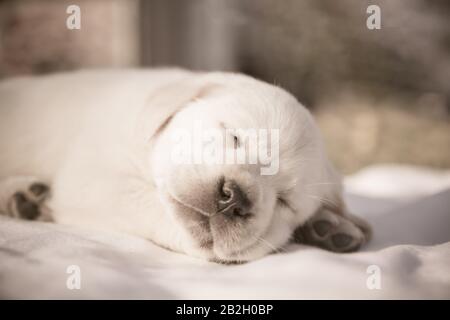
237, 165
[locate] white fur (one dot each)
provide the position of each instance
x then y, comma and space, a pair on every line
92, 135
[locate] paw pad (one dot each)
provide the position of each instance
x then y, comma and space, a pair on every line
29, 203
322, 227
25, 208
331, 231
341, 240
39, 189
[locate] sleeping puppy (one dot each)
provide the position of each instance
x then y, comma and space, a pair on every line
216, 165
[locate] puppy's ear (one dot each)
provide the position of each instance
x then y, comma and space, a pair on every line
162, 105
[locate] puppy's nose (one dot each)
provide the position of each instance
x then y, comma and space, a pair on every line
232, 201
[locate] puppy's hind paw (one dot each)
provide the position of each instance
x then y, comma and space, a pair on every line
332, 232
29, 203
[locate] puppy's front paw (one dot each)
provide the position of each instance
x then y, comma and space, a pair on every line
29, 203
332, 232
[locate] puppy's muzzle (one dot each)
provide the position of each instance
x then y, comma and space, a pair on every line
231, 200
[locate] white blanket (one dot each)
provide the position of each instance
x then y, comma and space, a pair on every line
409, 209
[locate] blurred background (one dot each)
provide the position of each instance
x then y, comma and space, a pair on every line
379, 96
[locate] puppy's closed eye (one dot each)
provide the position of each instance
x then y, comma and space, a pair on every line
234, 138
281, 200
236, 142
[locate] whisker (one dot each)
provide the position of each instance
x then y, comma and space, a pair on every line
322, 183
303, 159
269, 245
196, 224
323, 200
187, 204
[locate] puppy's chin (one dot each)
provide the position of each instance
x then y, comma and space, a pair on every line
271, 240
209, 238
254, 251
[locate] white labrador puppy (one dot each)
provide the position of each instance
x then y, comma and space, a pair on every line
99, 149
